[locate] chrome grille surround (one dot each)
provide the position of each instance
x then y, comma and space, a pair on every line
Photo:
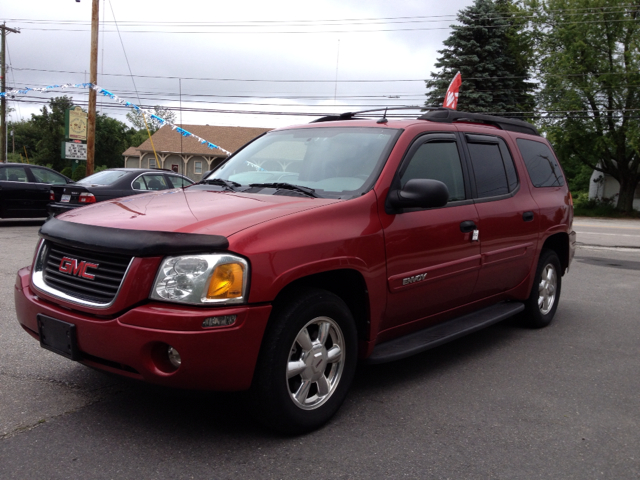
99, 293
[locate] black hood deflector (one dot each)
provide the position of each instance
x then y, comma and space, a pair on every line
138, 243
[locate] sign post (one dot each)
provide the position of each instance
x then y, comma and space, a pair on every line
75, 132
75, 124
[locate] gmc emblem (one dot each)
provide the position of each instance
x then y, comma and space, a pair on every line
70, 266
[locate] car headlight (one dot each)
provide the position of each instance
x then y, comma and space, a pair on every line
202, 279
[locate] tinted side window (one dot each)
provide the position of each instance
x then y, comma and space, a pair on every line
14, 174
178, 182
47, 176
489, 170
437, 161
541, 163
153, 182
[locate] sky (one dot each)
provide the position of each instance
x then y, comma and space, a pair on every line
283, 62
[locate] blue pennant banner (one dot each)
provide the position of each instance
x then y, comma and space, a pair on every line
107, 93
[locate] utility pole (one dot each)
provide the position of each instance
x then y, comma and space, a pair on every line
3, 101
93, 78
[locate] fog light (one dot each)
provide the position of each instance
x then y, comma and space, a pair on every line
174, 357
221, 321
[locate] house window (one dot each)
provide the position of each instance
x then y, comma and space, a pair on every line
198, 168
152, 163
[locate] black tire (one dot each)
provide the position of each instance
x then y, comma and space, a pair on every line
543, 301
296, 400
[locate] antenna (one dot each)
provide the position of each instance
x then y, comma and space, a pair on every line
384, 117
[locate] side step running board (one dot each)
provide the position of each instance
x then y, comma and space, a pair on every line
442, 333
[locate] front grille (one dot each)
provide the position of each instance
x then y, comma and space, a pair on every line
101, 289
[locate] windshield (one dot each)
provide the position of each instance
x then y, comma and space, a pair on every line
335, 162
105, 177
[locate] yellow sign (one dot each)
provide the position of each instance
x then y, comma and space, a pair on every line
77, 126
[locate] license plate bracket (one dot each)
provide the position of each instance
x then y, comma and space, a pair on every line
58, 336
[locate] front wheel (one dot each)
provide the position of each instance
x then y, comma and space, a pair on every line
306, 364
545, 293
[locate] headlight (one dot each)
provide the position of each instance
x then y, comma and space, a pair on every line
202, 279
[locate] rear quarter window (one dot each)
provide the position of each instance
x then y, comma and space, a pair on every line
541, 164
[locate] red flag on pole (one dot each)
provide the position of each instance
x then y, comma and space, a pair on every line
451, 97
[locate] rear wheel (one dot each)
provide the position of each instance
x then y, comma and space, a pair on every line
545, 293
306, 364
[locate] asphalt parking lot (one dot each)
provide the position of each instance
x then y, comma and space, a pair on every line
506, 402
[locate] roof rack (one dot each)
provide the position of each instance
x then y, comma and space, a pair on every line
352, 115
442, 115
446, 115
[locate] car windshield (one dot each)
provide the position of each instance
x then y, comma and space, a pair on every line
335, 162
105, 177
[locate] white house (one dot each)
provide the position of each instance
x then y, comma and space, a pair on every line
605, 187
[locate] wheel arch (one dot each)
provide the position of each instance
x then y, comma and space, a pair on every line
559, 243
348, 284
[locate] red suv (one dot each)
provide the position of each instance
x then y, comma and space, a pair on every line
310, 249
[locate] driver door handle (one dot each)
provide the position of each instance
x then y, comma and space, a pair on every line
468, 226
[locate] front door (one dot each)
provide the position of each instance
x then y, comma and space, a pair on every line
432, 264
20, 198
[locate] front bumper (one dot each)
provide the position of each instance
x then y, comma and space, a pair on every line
134, 343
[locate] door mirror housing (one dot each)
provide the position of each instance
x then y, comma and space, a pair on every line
418, 193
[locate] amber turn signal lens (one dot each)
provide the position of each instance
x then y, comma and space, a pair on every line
226, 282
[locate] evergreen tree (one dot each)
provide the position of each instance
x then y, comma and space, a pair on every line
492, 53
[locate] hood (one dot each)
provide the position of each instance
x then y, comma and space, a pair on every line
191, 211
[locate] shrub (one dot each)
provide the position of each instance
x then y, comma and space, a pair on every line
80, 173
583, 206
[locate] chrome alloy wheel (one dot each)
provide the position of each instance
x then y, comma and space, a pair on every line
316, 361
547, 289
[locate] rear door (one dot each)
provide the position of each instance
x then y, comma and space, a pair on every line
509, 219
44, 179
152, 181
432, 264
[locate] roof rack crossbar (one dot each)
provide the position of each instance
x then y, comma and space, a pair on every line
352, 115
446, 115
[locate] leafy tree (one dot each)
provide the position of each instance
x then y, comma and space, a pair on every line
112, 138
43, 134
587, 51
25, 138
492, 53
138, 121
49, 126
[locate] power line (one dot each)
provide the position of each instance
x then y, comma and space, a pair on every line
341, 21
537, 113
349, 30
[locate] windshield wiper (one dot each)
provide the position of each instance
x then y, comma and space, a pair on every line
287, 186
231, 185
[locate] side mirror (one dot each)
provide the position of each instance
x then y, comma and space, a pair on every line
418, 193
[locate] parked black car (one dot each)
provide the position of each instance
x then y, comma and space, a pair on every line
24, 189
112, 183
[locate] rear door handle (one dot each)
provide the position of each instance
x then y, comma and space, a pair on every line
468, 226
527, 216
